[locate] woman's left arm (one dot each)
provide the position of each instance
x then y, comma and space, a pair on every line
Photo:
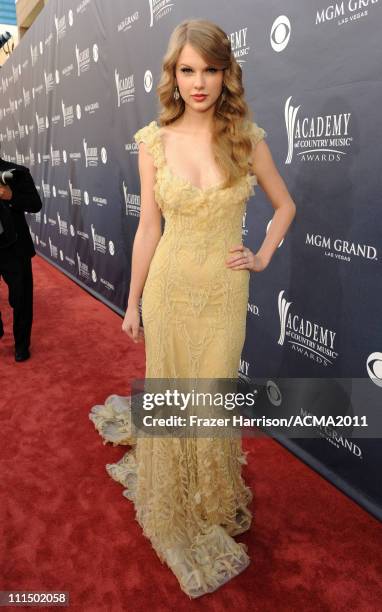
273, 185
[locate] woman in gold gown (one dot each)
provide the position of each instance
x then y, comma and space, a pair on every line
197, 169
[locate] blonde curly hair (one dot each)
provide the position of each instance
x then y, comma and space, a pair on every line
231, 142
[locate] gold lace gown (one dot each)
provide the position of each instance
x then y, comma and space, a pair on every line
189, 495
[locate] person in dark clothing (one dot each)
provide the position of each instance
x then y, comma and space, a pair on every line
18, 196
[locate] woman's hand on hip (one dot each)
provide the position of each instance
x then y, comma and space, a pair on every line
244, 259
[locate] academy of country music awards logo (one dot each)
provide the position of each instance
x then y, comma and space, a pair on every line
83, 58
132, 202
239, 45
316, 137
60, 25
91, 155
99, 242
125, 88
159, 9
311, 340
62, 225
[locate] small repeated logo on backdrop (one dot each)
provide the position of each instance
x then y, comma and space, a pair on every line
67, 114
70, 18
86, 198
91, 155
95, 53
341, 249
48, 39
57, 77
273, 392
82, 235
280, 33
132, 202
75, 195
49, 82
83, 269
99, 241
41, 47
125, 88
148, 81
64, 156
99, 201
94, 276
239, 45
78, 111
81, 8
107, 284
19, 158
60, 24
61, 255
62, 225
55, 119
72, 230
34, 54
16, 73
53, 249
55, 157
83, 60
311, 340
39, 158
92, 108
127, 23
316, 137
37, 239
111, 247
67, 71
40, 122
54, 192
26, 97
344, 12
45, 190
21, 130
4, 84
374, 368
159, 9
243, 370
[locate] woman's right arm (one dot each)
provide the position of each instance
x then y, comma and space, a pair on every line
147, 236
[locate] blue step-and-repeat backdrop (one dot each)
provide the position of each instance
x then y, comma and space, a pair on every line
83, 80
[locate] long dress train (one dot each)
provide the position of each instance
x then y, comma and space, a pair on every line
189, 495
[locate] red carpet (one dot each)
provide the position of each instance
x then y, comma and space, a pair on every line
67, 527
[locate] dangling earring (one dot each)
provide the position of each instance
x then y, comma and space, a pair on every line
176, 93
222, 97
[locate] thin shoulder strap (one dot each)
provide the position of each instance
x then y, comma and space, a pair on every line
149, 134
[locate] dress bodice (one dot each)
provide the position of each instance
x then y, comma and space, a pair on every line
178, 197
